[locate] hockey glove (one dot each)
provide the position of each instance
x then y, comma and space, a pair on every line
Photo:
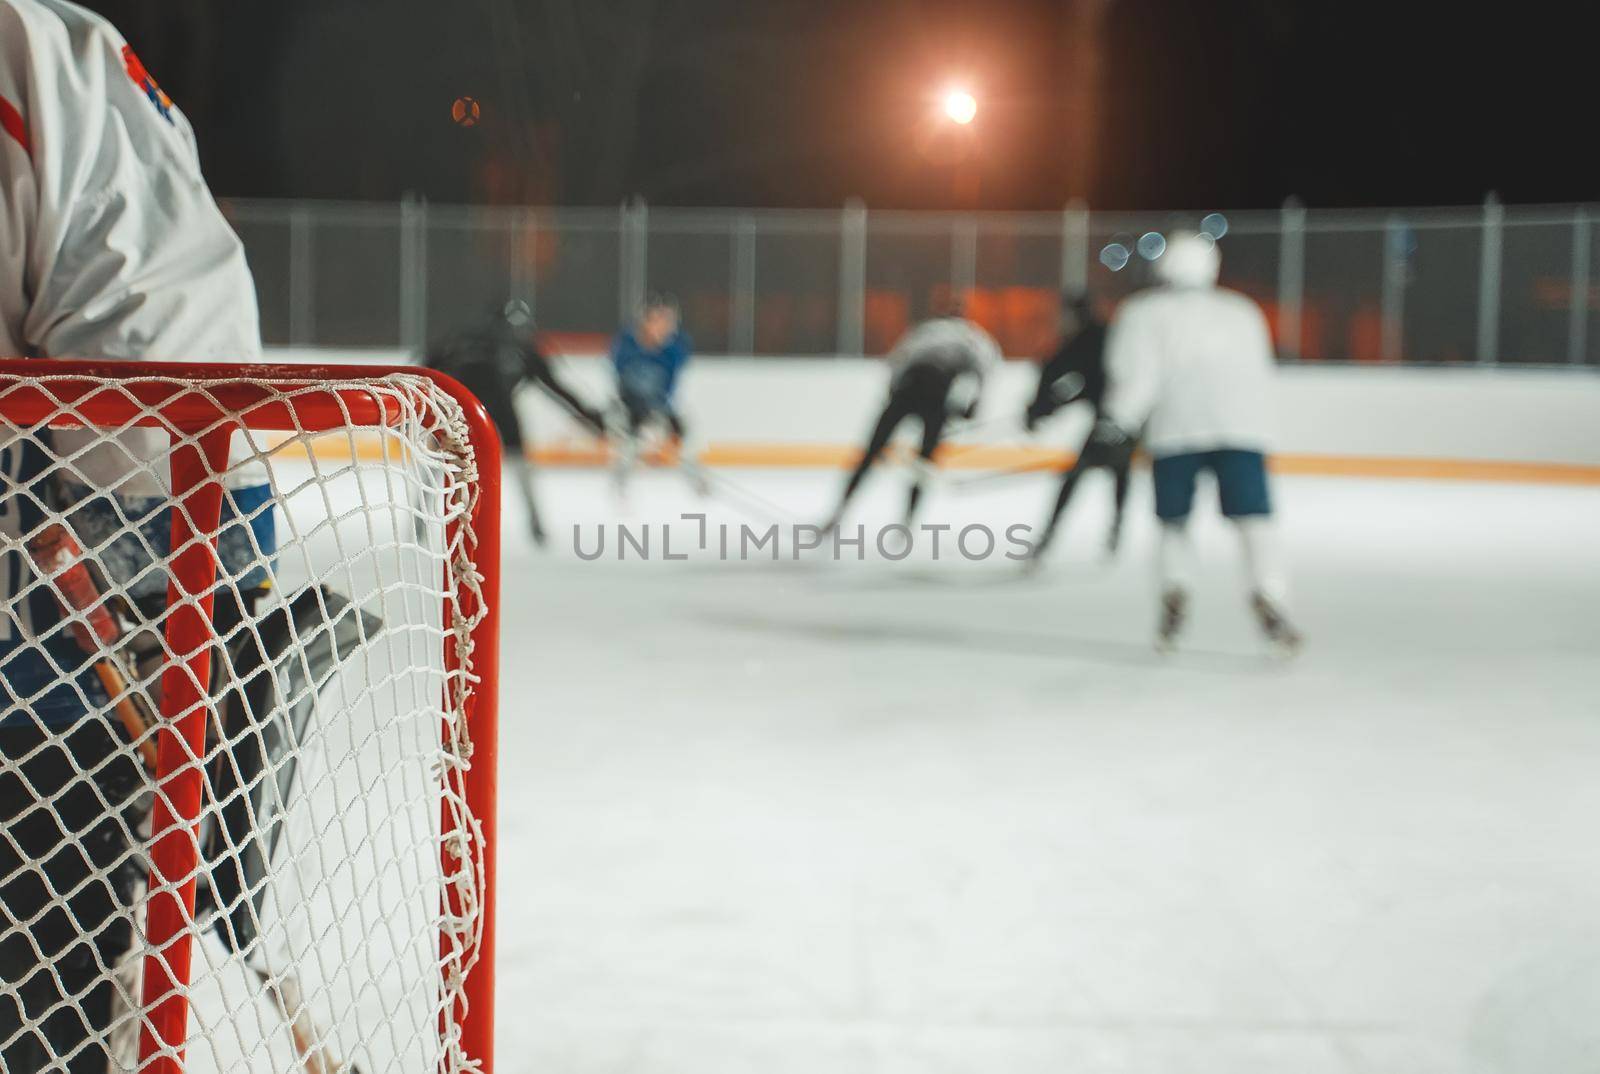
1110, 444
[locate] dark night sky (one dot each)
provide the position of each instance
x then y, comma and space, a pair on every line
1227, 103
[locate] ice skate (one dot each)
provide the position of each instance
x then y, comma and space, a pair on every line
696, 475
1113, 542
1281, 635
1174, 610
1034, 563
622, 464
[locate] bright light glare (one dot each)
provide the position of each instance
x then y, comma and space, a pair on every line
960, 106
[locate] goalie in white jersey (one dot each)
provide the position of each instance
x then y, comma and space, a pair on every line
110, 247
1192, 365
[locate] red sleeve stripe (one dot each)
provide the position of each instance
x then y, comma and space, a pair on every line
12, 123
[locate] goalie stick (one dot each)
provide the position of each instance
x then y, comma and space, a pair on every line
100, 628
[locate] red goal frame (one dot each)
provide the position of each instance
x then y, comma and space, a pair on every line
203, 403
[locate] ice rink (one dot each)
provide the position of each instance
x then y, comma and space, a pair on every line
920, 818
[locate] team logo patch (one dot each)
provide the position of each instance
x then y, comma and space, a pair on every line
12, 123
142, 79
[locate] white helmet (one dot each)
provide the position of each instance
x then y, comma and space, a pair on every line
1190, 260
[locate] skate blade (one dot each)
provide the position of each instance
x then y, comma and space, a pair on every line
1285, 649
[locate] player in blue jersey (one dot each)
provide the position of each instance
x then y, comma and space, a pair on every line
649, 357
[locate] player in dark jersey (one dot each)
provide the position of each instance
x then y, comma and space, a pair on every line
1075, 373
494, 359
938, 370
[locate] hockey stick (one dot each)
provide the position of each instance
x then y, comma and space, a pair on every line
964, 426
1065, 391
955, 450
739, 491
1054, 466
285, 990
56, 554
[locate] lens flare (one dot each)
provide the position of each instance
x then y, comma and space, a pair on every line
960, 106
1114, 256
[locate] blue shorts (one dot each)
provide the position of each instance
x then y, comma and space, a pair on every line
1241, 483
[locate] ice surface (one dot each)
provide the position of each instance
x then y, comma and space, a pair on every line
878, 818
892, 818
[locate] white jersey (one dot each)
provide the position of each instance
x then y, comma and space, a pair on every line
1196, 364
110, 243
953, 345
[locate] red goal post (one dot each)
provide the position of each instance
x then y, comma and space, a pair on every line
202, 408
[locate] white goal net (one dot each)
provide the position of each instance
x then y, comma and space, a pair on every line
246, 749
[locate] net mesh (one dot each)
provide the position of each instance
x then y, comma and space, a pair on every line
336, 863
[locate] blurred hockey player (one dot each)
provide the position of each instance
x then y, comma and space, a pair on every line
937, 371
1076, 373
1193, 364
495, 359
648, 358
110, 247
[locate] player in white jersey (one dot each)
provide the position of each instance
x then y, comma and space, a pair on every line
1192, 364
110, 247
937, 370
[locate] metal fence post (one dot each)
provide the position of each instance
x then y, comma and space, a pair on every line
742, 339
1291, 278
1489, 281
1392, 298
523, 244
633, 240
624, 263
302, 278
413, 272
964, 256
1075, 247
1578, 305
852, 277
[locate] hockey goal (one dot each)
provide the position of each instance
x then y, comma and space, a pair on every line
248, 668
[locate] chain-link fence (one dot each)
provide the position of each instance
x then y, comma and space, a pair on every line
1488, 285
